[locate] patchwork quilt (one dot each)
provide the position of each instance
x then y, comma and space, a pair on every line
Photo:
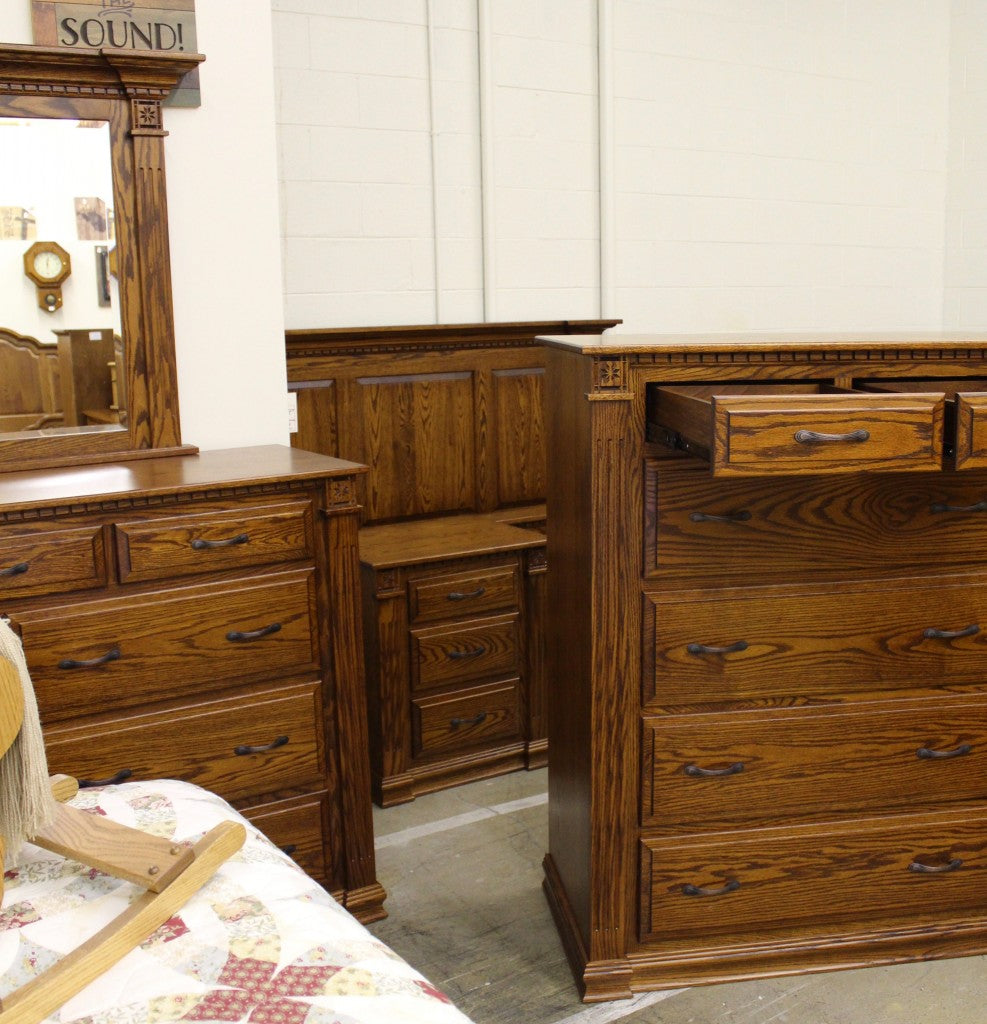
261, 942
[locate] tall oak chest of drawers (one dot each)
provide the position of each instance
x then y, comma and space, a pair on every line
768, 617
198, 617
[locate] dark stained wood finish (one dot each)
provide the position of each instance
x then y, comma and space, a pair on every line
831, 579
200, 670
125, 89
446, 637
448, 417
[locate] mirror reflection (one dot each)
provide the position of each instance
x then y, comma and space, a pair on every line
62, 366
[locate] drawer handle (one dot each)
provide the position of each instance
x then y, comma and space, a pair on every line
942, 755
814, 437
981, 506
694, 771
731, 517
111, 655
694, 890
243, 749
458, 595
236, 637
455, 723
121, 776
935, 869
474, 653
205, 545
18, 569
289, 849
950, 634
740, 645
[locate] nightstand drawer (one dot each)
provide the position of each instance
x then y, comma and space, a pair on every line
474, 650
118, 653
865, 870
256, 742
712, 770
450, 721
752, 643
464, 594
51, 561
155, 549
753, 430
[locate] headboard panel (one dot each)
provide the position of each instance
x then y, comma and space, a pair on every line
29, 383
448, 416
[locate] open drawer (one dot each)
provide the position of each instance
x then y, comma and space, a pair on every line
793, 428
965, 414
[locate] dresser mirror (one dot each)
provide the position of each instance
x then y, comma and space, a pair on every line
129, 345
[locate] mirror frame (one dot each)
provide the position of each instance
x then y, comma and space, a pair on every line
126, 89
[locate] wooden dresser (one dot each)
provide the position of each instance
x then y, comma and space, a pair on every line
448, 418
198, 617
767, 632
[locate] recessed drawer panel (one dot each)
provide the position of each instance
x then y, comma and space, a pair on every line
124, 652
446, 722
866, 870
253, 743
297, 827
484, 647
744, 530
464, 594
753, 430
752, 643
707, 770
51, 561
211, 542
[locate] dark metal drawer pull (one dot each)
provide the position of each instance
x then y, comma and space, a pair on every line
243, 749
694, 890
455, 723
235, 636
474, 653
814, 437
17, 569
935, 869
203, 545
942, 755
950, 634
458, 595
289, 849
731, 517
111, 655
121, 776
981, 506
696, 772
740, 645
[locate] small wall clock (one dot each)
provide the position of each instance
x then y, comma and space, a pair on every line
47, 264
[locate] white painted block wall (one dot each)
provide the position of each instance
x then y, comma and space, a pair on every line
775, 164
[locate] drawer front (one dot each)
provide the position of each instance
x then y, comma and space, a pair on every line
51, 562
759, 434
253, 743
442, 723
741, 530
708, 770
866, 871
819, 642
464, 594
130, 651
485, 647
297, 827
213, 541
971, 431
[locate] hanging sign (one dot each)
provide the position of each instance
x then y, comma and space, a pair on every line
167, 25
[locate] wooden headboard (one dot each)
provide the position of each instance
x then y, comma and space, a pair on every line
448, 416
29, 383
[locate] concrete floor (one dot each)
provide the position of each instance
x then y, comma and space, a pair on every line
463, 873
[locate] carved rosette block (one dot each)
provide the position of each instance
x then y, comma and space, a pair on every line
610, 375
